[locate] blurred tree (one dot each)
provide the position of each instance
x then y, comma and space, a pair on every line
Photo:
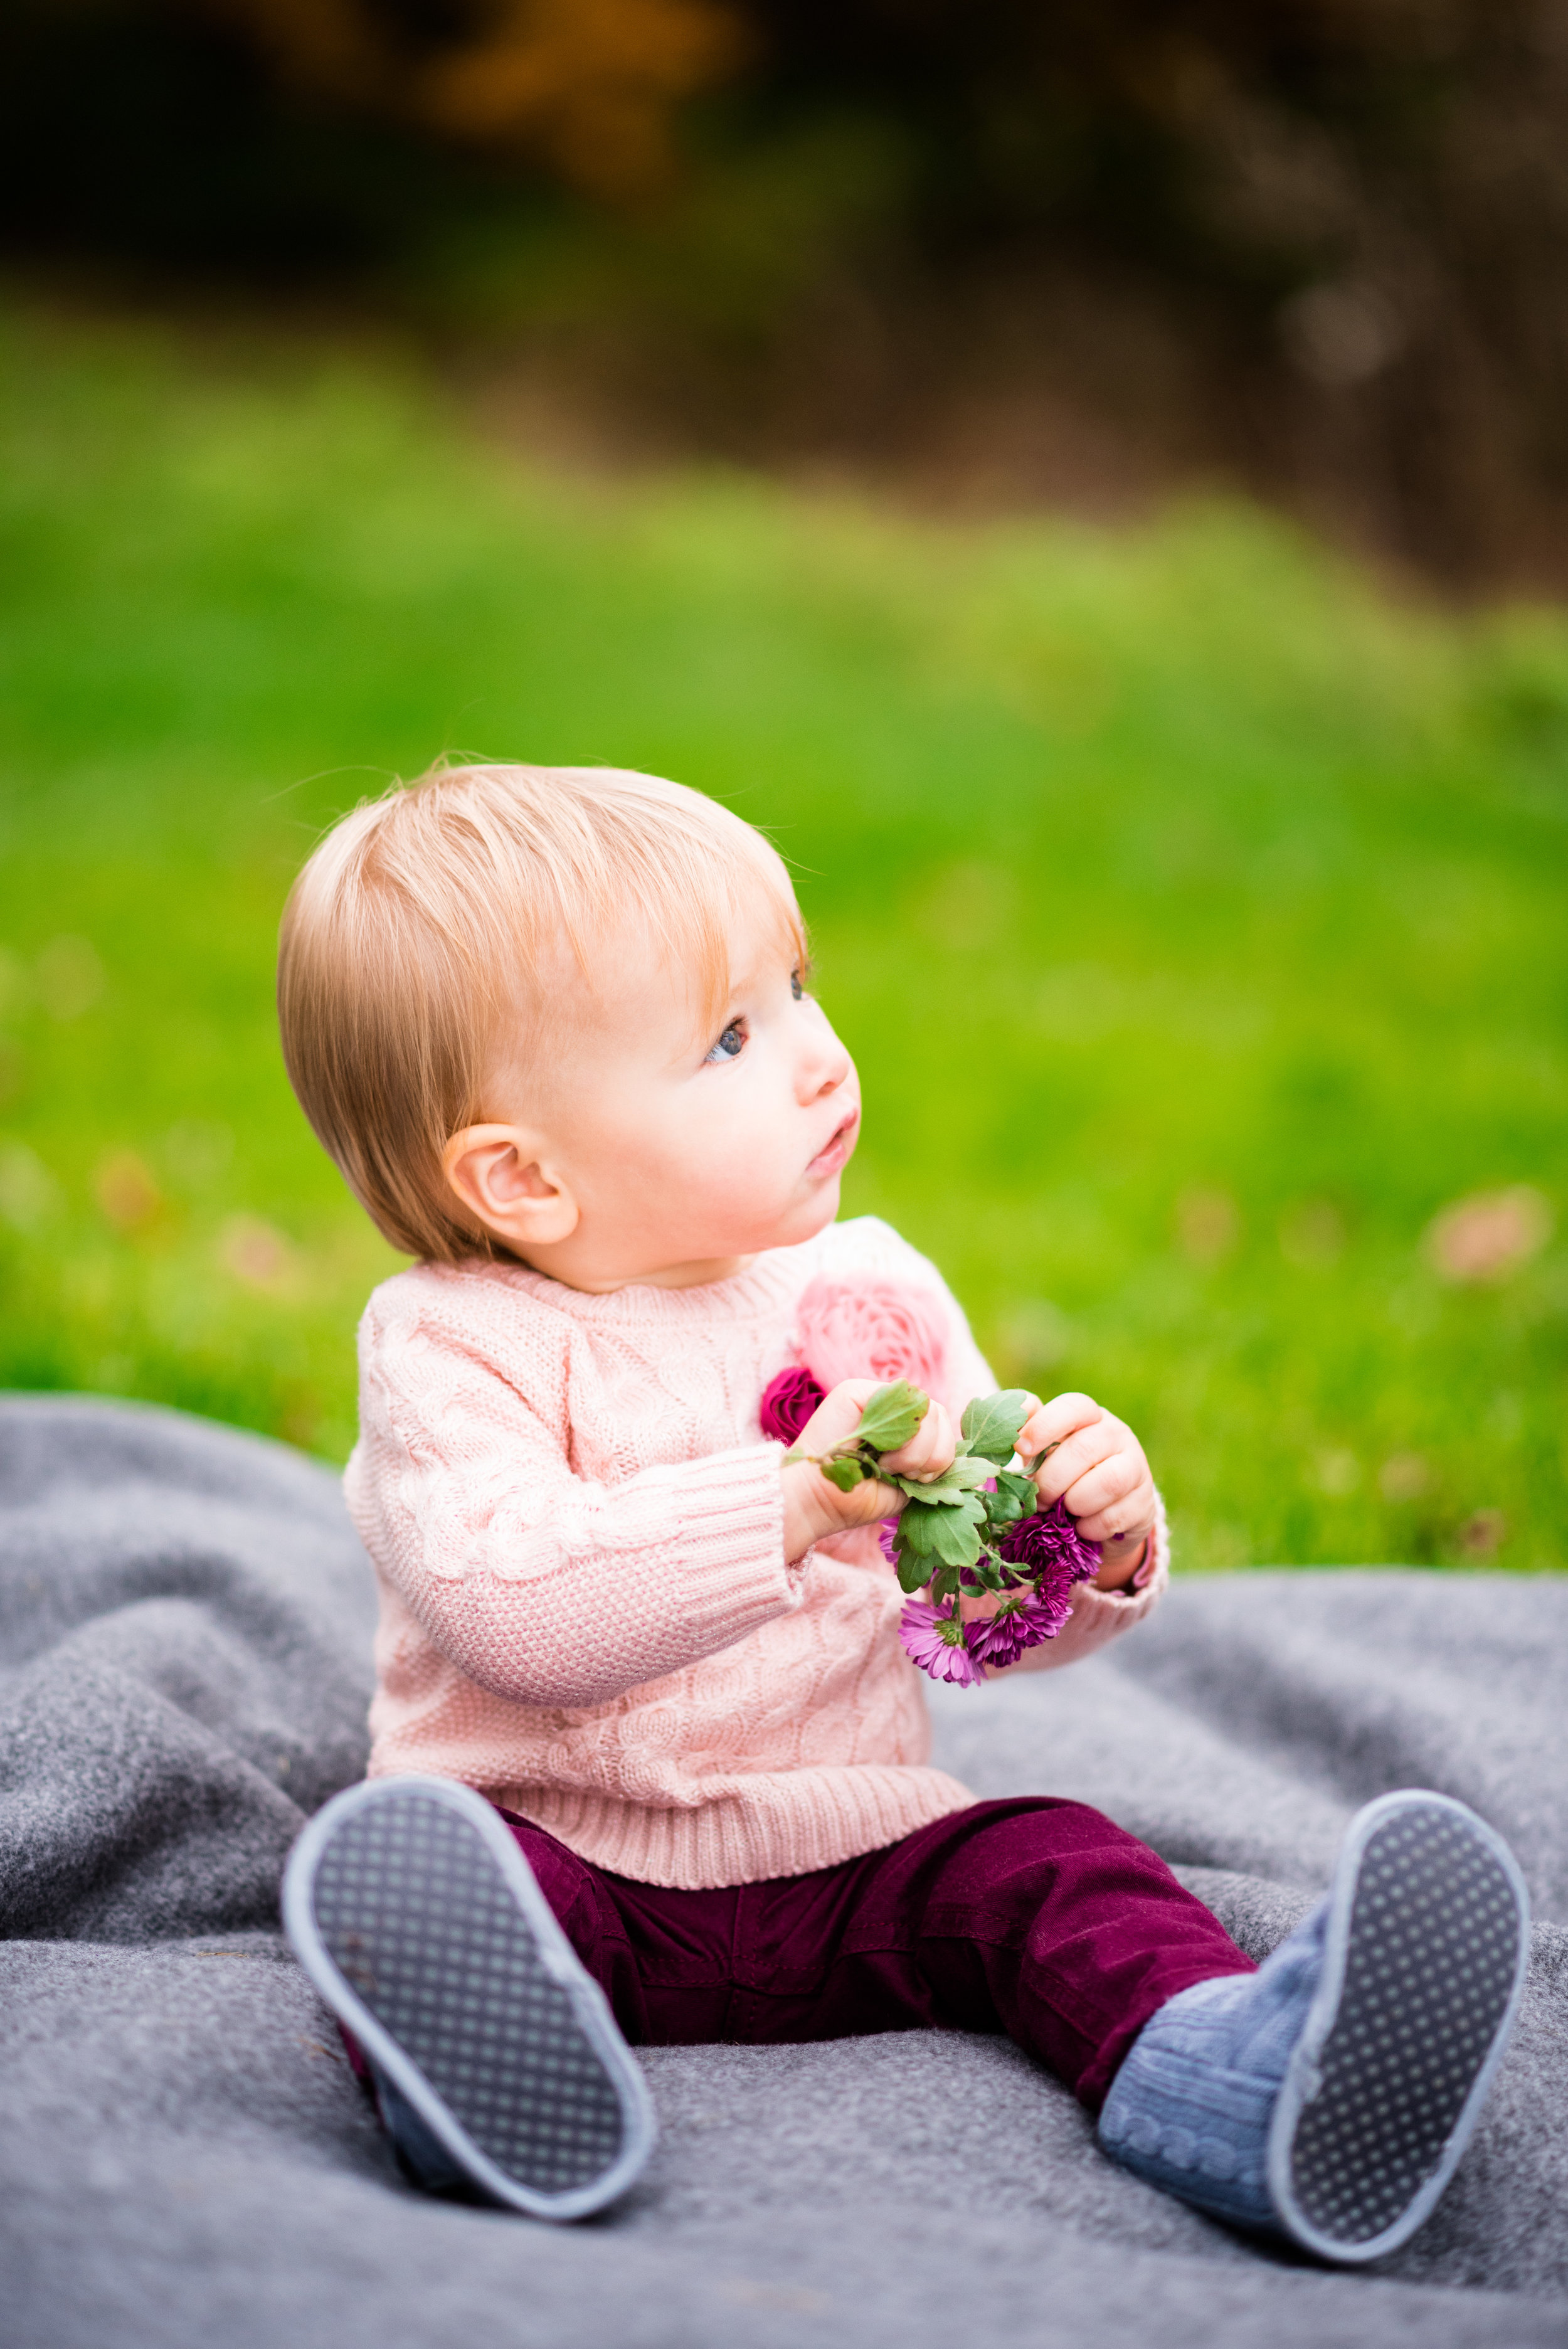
1364, 204
586, 86
1320, 242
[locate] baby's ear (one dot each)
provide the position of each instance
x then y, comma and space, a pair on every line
501, 1176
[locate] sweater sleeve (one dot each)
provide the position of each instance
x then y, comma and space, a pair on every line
544, 1586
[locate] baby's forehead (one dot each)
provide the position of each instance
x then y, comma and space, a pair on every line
652, 958
644, 977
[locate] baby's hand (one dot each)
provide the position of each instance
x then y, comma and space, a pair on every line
1097, 1469
814, 1508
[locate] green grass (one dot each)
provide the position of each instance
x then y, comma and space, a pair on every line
1198, 918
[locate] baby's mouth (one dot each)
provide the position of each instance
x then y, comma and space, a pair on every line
837, 1154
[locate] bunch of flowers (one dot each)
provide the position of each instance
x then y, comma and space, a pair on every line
978, 1529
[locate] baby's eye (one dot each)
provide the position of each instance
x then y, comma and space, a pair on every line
796, 985
731, 1044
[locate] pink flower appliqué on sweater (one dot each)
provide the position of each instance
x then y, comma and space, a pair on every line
855, 1329
872, 1328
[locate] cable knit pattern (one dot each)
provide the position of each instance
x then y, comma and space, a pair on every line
585, 1608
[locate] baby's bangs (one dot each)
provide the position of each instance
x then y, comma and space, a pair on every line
691, 914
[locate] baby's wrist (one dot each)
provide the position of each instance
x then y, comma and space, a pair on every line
1121, 1559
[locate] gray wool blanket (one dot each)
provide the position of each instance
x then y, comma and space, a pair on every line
185, 2158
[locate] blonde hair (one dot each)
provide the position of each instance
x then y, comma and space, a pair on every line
429, 918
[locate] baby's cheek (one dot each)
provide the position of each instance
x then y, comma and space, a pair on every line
727, 1186
750, 1169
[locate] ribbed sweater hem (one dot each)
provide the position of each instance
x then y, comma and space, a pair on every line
785, 1824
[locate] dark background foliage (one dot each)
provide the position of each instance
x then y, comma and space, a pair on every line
1318, 246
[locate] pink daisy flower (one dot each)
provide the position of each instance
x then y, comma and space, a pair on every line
934, 1637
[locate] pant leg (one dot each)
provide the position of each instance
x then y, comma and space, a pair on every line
1035, 1917
1038, 1918
663, 1957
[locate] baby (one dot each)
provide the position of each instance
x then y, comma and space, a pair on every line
650, 1764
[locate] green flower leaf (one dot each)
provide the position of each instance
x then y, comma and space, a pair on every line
991, 1423
930, 1496
955, 1539
916, 1531
913, 1570
845, 1474
955, 1485
1014, 1497
892, 1416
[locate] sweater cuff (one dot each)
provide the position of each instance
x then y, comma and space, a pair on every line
1155, 1571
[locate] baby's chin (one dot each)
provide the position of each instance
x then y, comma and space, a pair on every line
803, 1218
786, 1224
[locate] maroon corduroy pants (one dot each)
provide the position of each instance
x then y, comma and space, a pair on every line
1032, 1917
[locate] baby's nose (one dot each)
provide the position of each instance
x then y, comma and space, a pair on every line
827, 1069
823, 1070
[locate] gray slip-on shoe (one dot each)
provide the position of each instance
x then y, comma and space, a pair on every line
1424, 1957
420, 1921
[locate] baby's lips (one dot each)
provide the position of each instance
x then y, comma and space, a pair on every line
835, 1151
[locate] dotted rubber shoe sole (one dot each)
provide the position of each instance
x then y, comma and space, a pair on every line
420, 1921
1423, 1969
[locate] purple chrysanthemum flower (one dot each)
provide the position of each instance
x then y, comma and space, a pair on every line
1048, 1558
1048, 1546
934, 1637
788, 1402
1021, 1622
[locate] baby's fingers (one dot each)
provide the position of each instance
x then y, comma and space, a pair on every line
1076, 1454
836, 1416
930, 1449
1116, 1498
1050, 1423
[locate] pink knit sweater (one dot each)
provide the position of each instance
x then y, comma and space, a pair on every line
586, 1607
